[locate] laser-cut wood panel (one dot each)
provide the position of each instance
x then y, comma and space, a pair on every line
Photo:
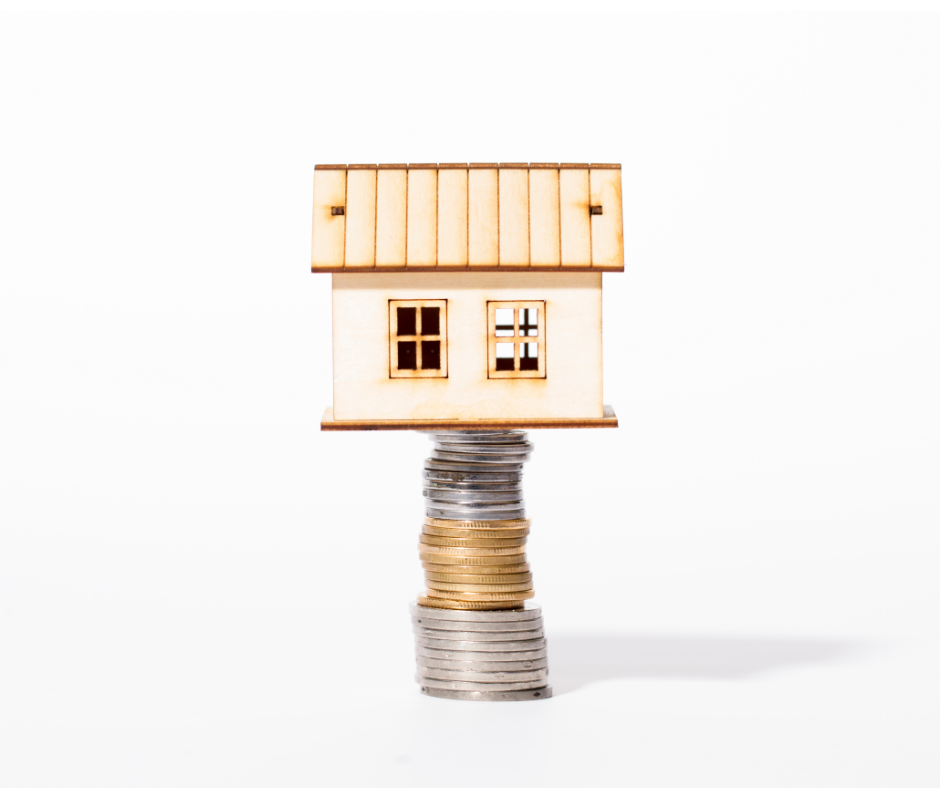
360, 218
452, 217
544, 228
391, 217
422, 218
575, 209
418, 332
520, 333
329, 190
484, 217
513, 217
606, 228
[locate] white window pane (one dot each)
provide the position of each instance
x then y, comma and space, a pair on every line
505, 332
532, 349
504, 350
504, 317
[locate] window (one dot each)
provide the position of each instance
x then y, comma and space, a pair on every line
516, 332
418, 339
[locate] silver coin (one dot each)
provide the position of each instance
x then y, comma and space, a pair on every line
486, 637
482, 656
474, 626
480, 645
474, 496
475, 475
541, 693
482, 677
471, 506
473, 486
506, 436
532, 610
483, 448
478, 514
424, 681
474, 467
482, 665
479, 458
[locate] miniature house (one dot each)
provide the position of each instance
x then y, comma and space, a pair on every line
467, 295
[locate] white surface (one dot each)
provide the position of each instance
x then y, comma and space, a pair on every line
198, 588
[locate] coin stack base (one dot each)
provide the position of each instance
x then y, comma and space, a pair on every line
488, 655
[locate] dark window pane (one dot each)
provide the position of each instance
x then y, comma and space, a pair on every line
528, 363
407, 324
408, 353
430, 353
505, 364
430, 323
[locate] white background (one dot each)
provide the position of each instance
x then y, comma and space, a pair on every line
740, 585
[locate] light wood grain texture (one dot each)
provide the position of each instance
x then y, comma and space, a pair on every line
544, 221
360, 218
483, 217
452, 217
329, 424
575, 197
422, 218
363, 390
525, 336
391, 217
422, 333
329, 190
607, 228
513, 217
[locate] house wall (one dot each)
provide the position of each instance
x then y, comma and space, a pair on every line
362, 388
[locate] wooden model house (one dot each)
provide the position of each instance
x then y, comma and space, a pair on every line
467, 295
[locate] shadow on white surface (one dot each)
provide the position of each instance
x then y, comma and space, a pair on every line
577, 660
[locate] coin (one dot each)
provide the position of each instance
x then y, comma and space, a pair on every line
473, 560
460, 496
467, 605
472, 665
470, 541
493, 596
487, 637
501, 677
497, 515
470, 577
480, 645
476, 533
475, 626
513, 523
509, 449
488, 486
540, 693
479, 588
528, 611
464, 569
424, 681
509, 471
462, 457
482, 656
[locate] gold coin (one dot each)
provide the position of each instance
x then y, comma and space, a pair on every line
433, 549
504, 596
475, 588
476, 533
464, 569
449, 604
473, 560
470, 542
522, 522
470, 577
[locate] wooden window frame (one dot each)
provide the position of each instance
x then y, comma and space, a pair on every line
492, 339
393, 338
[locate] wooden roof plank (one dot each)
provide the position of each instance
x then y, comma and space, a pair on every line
360, 218
575, 216
483, 217
391, 216
452, 216
422, 217
607, 227
329, 231
544, 220
513, 216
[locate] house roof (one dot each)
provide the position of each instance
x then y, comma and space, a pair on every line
476, 217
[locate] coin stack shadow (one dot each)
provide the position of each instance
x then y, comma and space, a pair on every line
476, 638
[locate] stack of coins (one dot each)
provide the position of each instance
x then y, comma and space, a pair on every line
476, 639
479, 655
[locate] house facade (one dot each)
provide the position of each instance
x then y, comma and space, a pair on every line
467, 295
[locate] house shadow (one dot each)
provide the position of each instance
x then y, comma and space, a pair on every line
577, 660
